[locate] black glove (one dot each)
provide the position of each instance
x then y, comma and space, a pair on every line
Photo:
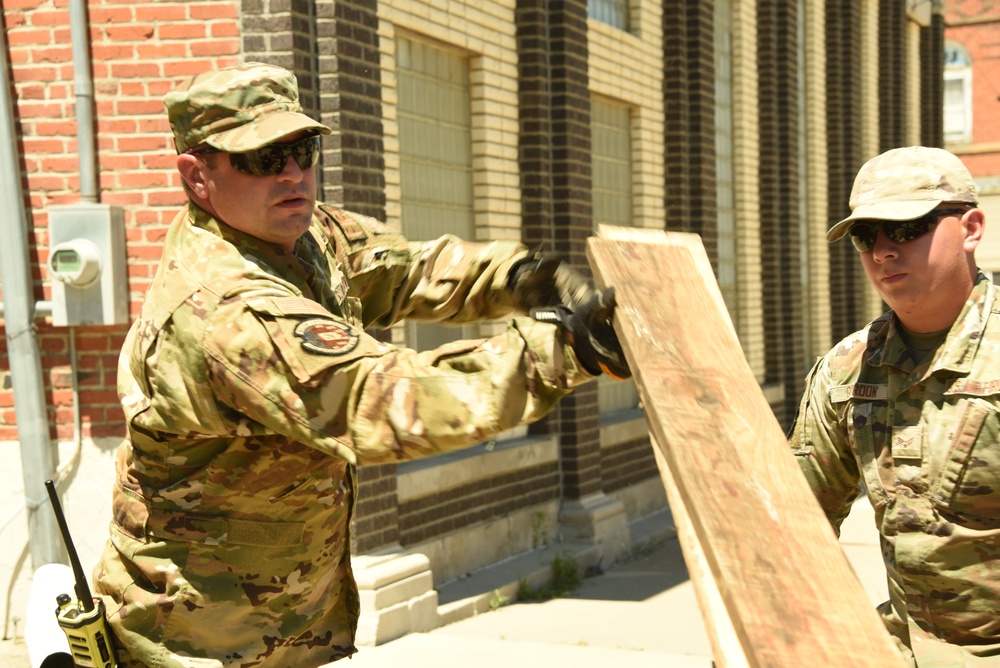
546, 279
591, 333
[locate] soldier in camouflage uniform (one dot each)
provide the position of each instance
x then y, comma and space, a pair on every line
251, 390
909, 407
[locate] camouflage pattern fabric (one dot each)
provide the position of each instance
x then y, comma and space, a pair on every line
923, 437
906, 183
251, 391
237, 109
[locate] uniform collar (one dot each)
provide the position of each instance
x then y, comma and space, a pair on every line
300, 268
960, 346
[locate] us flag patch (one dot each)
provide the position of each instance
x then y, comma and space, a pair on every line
326, 337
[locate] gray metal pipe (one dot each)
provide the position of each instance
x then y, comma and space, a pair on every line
38, 454
43, 309
83, 87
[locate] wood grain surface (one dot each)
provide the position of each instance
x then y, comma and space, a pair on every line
756, 536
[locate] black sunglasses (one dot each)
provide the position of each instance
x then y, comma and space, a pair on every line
270, 160
863, 235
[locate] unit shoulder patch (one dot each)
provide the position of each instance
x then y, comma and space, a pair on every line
323, 336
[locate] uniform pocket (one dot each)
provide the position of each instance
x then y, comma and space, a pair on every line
969, 481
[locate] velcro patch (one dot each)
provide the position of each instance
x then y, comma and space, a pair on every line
287, 306
974, 387
859, 391
327, 337
907, 442
351, 228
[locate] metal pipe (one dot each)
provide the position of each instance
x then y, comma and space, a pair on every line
38, 455
83, 86
43, 309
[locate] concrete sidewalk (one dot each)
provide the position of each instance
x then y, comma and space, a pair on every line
643, 612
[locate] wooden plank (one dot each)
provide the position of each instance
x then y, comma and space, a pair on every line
726, 647
767, 549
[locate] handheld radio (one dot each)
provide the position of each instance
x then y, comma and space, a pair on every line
82, 620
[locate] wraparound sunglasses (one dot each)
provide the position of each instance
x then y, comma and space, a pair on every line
863, 235
270, 160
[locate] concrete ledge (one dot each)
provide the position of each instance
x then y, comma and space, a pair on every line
397, 596
379, 571
490, 587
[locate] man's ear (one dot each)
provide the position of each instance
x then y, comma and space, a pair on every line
192, 170
974, 223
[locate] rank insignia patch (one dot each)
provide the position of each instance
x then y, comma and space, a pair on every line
326, 337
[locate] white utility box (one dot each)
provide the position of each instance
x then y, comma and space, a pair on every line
87, 265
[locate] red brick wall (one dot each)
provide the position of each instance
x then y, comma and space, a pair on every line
140, 50
976, 25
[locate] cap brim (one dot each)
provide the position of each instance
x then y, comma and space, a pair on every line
264, 130
893, 210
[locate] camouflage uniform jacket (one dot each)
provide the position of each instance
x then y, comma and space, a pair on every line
251, 390
924, 439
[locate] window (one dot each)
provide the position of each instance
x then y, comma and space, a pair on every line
611, 156
612, 12
435, 157
957, 94
611, 162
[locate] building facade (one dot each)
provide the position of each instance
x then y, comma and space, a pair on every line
972, 106
743, 121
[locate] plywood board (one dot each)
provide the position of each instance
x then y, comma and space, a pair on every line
760, 544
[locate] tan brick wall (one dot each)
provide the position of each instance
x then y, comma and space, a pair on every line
913, 92
817, 210
746, 155
485, 33
628, 67
868, 87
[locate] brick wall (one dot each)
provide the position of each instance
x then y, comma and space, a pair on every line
932, 82
892, 74
628, 67
534, 66
975, 24
447, 510
689, 120
847, 281
573, 223
626, 464
485, 33
140, 50
358, 87
780, 238
748, 312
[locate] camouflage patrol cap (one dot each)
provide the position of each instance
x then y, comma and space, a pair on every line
237, 109
906, 183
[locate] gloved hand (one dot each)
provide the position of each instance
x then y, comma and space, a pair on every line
591, 333
546, 279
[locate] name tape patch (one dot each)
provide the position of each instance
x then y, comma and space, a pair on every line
859, 391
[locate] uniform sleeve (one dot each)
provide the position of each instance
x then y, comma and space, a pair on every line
446, 280
291, 368
822, 449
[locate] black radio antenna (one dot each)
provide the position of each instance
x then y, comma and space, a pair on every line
80, 586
